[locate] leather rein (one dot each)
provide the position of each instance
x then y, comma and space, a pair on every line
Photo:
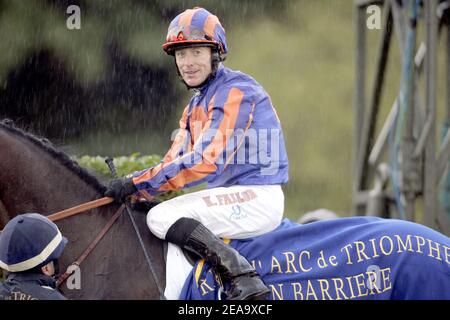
77, 210
92, 205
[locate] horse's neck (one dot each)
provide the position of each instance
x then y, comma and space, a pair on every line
33, 180
4, 215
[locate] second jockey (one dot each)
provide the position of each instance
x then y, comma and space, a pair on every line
30, 246
230, 138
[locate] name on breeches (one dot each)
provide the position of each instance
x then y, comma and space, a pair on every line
229, 198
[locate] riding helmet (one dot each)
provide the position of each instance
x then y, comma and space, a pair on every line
196, 27
30, 240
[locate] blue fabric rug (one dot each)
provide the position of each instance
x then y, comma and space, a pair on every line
347, 258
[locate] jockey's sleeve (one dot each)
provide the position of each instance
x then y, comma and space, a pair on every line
229, 111
181, 139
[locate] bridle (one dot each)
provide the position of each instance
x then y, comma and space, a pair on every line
84, 208
92, 205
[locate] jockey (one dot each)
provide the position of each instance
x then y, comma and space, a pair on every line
30, 245
230, 138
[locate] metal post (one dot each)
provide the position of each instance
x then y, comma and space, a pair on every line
360, 84
443, 216
448, 65
410, 167
430, 179
369, 124
399, 25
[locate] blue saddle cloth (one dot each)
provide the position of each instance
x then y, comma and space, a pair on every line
347, 258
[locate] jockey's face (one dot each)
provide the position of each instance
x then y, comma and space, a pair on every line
194, 64
48, 269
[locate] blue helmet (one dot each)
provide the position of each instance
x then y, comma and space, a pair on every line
30, 240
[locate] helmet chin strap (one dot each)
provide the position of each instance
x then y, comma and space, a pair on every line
215, 62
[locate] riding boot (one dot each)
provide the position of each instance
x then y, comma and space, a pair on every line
245, 283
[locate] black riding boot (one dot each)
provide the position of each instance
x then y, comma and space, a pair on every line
231, 266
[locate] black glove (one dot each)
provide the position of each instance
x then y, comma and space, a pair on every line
144, 205
120, 189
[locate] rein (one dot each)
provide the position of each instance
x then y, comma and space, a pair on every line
80, 208
77, 210
92, 205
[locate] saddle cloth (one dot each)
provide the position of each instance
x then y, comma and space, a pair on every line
346, 258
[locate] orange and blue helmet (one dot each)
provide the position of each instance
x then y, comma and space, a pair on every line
196, 27
28, 241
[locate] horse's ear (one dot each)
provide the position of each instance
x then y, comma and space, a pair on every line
46, 141
8, 122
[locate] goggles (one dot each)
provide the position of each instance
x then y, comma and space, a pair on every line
186, 34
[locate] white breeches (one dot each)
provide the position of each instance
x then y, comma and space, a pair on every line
235, 212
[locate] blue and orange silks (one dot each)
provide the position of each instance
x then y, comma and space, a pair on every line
348, 258
229, 135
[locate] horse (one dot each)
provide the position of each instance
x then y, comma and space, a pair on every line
329, 257
37, 177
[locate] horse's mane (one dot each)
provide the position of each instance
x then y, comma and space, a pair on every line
62, 157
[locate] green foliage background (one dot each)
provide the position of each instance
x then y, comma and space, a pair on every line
302, 55
305, 64
124, 165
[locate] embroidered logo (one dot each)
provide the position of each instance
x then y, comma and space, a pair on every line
237, 213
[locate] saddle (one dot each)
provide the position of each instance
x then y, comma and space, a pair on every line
144, 206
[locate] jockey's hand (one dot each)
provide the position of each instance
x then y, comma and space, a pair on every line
120, 189
143, 205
